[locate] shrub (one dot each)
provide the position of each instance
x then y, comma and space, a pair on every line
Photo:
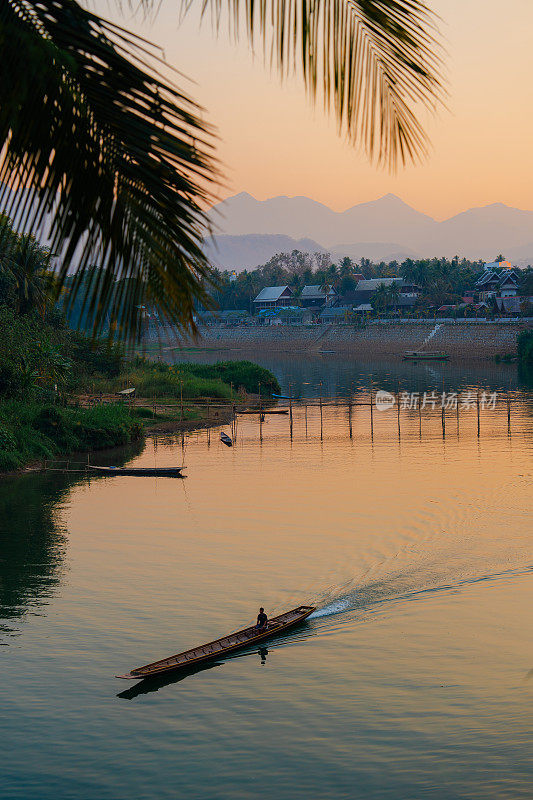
242, 374
525, 347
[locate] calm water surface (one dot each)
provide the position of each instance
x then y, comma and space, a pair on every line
414, 678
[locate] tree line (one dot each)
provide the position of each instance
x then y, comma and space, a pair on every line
441, 280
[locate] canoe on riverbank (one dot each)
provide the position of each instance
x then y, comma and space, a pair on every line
143, 472
218, 648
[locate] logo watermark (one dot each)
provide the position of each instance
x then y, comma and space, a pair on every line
412, 401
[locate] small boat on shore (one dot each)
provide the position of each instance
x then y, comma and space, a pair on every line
286, 397
143, 472
218, 648
225, 439
422, 355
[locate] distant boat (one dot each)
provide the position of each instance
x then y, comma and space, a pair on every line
421, 355
144, 472
265, 411
286, 397
225, 439
218, 648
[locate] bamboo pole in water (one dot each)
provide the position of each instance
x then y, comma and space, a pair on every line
508, 414
478, 419
398, 409
371, 408
290, 408
260, 415
350, 399
321, 423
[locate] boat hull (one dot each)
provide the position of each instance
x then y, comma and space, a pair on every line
220, 647
426, 357
143, 472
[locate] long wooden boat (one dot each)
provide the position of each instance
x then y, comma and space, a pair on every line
219, 648
265, 411
421, 355
145, 472
286, 397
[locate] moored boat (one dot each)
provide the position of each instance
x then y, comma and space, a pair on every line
225, 439
422, 355
145, 472
265, 411
218, 648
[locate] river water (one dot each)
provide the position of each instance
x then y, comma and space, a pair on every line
414, 677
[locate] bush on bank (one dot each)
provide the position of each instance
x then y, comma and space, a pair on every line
242, 374
524, 348
31, 430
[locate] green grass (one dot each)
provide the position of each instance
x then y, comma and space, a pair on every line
242, 374
31, 431
156, 379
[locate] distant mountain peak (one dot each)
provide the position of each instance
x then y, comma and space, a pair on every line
474, 233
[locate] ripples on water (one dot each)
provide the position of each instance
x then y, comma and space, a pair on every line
409, 681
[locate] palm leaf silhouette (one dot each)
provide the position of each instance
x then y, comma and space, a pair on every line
115, 164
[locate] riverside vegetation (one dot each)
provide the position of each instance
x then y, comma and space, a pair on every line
50, 374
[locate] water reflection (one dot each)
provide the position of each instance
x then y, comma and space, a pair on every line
153, 684
338, 374
33, 540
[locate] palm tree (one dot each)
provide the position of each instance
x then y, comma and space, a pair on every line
116, 164
30, 264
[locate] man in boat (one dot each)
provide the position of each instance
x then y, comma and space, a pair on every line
262, 620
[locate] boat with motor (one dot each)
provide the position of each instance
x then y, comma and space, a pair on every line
220, 647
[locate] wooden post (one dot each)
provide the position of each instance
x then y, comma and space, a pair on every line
508, 414
290, 409
306, 420
478, 421
398, 409
321, 423
442, 411
208, 409
371, 409
260, 415
457, 413
181, 400
350, 413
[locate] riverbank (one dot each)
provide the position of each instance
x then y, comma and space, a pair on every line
470, 340
32, 432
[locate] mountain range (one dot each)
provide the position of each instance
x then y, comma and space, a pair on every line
251, 231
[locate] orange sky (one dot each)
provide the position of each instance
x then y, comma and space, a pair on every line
273, 142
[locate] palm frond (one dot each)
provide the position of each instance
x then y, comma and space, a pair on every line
109, 156
377, 62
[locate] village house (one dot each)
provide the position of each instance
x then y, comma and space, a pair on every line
498, 283
316, 297
408, 293
274, 297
